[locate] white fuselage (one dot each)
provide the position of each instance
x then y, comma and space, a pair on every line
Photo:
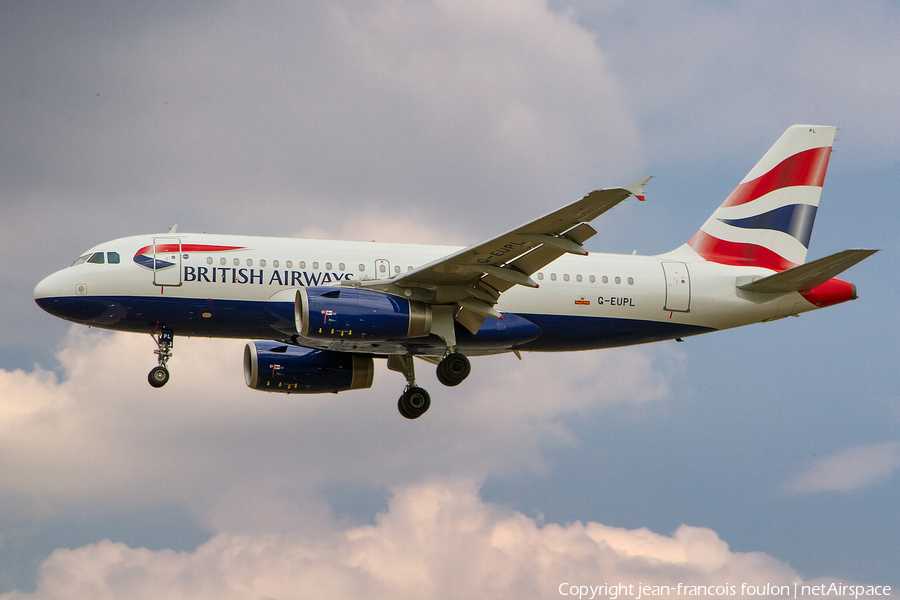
226, 286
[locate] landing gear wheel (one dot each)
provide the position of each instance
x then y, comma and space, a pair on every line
164, 339
402, 410
413, 403
453, 369
158, 377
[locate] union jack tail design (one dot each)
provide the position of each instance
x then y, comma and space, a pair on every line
768, 219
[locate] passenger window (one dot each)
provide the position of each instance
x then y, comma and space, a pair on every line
249, 262
222, 261
237, 262
275, 263
262, 262
578, 278
552, 276
315, 265
631, 281
289, 264
328, 266
341, 266
209, 260
618, 280
566, 277
98, 258
302, 264
605, 279
396, 268
593, 279
362, 267
540, 276
112, 257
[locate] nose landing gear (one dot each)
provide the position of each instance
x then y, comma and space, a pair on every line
159, 375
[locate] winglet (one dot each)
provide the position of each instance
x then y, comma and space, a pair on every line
637, 188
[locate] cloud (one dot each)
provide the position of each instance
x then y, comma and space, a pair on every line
100, 434
437, 539
257, 468
849, 470
388, 224
456, 104
708, 76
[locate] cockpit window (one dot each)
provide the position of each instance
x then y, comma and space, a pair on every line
98, 258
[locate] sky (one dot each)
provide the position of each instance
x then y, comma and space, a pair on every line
763, 455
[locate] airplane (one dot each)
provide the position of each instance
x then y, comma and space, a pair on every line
318, 312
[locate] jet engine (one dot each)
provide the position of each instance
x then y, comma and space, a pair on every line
342, 313
275, 367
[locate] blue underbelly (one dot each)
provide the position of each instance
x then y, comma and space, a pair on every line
263, 320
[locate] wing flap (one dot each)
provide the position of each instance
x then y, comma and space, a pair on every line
580, 233
559, 241
470, 319
507, 274
537, 259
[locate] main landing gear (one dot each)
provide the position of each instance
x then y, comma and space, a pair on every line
159, 375
453, 369
414, 401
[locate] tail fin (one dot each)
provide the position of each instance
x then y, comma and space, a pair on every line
767, 220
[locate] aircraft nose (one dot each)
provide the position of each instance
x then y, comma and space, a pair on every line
49, 287
52, 294
47, 293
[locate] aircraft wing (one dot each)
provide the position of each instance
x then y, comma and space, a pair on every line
474, 277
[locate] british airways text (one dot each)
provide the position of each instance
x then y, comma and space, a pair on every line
260, 276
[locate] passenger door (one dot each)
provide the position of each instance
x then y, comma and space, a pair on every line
678, 287
166, 254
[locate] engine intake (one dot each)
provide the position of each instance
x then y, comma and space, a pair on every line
275, 367
336, 313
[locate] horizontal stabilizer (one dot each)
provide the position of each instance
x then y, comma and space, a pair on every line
807, 276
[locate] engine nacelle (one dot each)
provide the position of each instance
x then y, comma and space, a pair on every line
275, 367
354, 313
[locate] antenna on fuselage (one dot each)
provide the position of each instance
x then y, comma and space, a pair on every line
174, 227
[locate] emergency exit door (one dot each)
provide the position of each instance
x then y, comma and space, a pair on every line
382, 269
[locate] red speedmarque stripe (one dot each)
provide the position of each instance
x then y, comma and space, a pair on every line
804, 168
737, 253
187, 248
